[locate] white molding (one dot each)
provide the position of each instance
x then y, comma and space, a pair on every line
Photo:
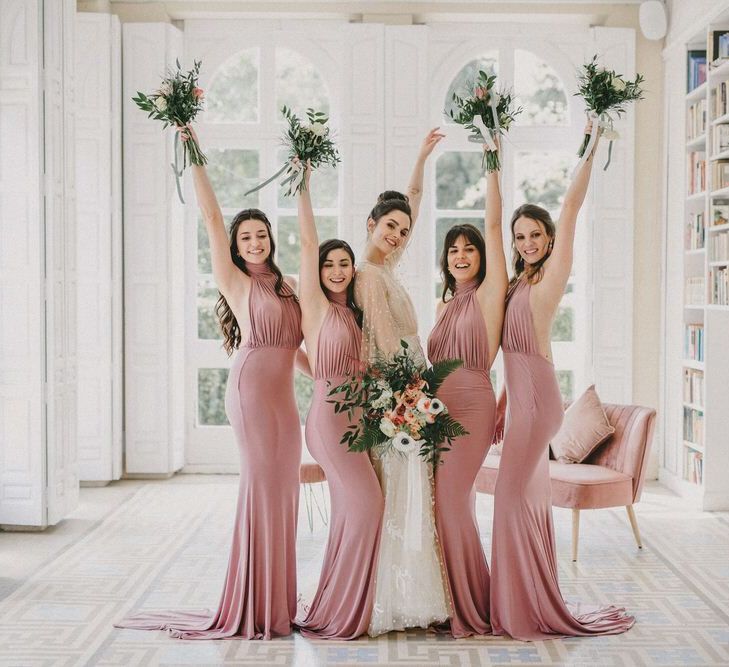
98, 121
153, 264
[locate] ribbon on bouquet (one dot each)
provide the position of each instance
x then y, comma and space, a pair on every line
293, 181
176, 168
598, 123
413, 534
487, 135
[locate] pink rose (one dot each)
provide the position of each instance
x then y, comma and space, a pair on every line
480, 93
198, 93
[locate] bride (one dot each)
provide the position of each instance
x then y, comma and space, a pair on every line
410, 590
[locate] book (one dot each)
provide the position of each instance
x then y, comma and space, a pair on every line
695, 231
693, 342
719, 212
696, 69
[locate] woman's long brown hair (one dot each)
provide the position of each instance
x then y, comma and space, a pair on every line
228, 324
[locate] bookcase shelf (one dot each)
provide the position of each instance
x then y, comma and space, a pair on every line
696, 380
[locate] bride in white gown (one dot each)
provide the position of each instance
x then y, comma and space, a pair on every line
410, 590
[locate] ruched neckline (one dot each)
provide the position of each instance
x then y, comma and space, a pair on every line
339, 298
260, 270
466, 287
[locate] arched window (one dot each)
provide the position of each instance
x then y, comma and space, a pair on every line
536, 169
242, 127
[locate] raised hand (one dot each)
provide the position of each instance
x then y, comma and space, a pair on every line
430, 142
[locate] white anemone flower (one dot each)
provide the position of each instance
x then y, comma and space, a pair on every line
436, 407
404, 443
424, 404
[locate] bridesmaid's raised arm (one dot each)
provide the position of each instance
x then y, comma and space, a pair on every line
415, 187
230, 280
558, 266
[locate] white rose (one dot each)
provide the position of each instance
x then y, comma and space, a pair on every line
404, 443
165, 89
436, 407
618, 84
160, 104
495, 99
387, 427
318, 129
611, 135
383, 400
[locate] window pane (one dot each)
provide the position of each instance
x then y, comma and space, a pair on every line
299, 85
539, 90
211, 396
233, 93
288, 248
233, 172
563, 327
566, 380
442, 225
204, 263
207, 320
542, 179
460, 181
464, 80
303, 389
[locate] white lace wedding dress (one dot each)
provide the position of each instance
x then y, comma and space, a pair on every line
410, 589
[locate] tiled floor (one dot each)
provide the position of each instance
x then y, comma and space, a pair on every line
164, 545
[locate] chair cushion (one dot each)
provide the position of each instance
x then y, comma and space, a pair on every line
574, 485
311, 473
585, 426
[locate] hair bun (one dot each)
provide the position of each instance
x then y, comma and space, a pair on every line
389, 195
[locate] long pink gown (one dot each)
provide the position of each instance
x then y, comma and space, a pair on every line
526, 602
259, 593
460, 333
342, 606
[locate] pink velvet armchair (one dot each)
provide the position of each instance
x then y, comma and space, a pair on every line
610, 477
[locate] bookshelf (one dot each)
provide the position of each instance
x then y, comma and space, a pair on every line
700, 386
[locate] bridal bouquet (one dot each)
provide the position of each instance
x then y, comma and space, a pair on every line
176, 103
487, 114
308, 142
399, 411
605, 93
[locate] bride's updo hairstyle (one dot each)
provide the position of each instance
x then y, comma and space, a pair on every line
389, 201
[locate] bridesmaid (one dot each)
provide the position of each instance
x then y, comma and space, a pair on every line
258, 307
342, 606
468, 328
526, 602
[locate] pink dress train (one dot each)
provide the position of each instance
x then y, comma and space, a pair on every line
526, 602
342, 606
259, 593
460, 333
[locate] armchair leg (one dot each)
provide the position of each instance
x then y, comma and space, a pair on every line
634, 525
575, 533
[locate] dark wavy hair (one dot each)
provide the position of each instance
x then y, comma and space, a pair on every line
473, 235
324, 249
228, 324
389, 201
533, 272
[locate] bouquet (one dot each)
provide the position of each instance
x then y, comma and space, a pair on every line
399, 412
487, 114
308, 142
177, 101
605, 93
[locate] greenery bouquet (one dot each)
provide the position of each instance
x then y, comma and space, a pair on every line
399, 412
176, 103
605, 93
309, 142
486, 113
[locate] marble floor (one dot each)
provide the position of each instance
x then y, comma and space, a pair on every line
164, 544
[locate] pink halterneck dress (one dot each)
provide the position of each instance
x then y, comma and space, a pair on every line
342, 606
460, 333
259, 593
526, 602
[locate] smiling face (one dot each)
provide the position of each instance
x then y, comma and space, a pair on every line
390, 231
464, 260
337, 270
530, 239
253, 241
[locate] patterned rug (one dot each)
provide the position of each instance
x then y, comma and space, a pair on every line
166, 547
